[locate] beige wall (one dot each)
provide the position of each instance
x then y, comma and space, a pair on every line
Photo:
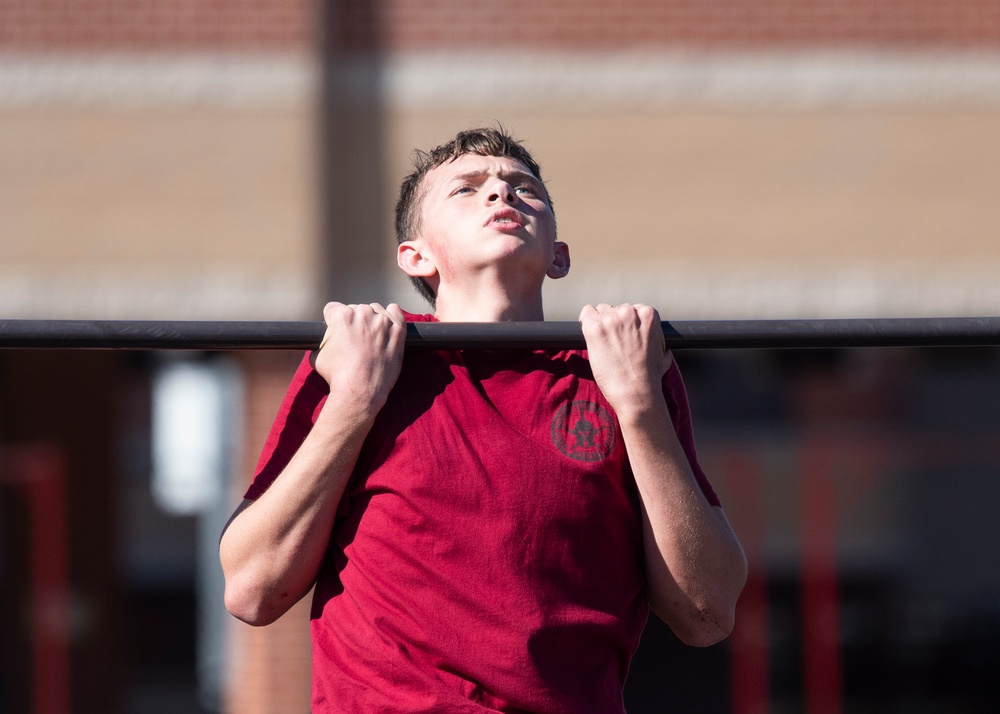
157, 212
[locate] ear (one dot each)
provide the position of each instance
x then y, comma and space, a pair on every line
412, 260
559, 267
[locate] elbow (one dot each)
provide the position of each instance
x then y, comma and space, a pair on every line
709, 627
248, 604
250, 594
705, 620
711, 619
702, 625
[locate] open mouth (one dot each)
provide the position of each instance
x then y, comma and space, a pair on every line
506, 219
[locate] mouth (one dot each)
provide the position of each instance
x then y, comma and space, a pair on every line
505, 219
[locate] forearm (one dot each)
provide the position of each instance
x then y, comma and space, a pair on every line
272, 550
695, 565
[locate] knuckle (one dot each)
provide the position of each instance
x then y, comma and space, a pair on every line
333, 311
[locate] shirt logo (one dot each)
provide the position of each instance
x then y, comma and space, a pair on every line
584, 431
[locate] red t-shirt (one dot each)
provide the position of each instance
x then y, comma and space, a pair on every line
487, 553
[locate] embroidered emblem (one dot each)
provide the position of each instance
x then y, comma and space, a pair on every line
584, 431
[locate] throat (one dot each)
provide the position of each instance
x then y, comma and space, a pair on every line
489, 300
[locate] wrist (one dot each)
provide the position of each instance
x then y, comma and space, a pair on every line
642, 410
351, 406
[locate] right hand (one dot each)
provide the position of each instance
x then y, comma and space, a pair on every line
362, 351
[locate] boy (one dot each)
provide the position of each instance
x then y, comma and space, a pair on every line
486, 531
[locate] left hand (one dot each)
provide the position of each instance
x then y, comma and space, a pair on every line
628, 354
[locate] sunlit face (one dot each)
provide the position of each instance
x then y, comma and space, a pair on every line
477, 211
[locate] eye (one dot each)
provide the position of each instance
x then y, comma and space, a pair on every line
527, 189
465, 188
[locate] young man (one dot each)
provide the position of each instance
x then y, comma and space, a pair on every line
485, 530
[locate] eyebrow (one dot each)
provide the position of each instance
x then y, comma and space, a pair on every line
508, 176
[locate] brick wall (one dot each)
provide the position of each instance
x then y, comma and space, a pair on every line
615, 24
185, 25
96, 25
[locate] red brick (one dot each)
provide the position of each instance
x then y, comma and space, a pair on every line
114, 25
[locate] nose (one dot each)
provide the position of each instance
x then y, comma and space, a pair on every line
500, 190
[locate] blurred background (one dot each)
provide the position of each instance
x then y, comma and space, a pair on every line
238, 159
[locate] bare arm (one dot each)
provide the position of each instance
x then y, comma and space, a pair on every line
272, 548
695, 566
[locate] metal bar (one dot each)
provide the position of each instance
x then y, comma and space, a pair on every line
680, 334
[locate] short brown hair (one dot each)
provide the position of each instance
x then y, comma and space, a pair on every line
483, 142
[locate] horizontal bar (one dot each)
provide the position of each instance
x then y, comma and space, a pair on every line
679, 334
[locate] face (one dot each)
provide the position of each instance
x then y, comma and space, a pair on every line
479, 211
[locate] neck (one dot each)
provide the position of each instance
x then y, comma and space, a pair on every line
488, 304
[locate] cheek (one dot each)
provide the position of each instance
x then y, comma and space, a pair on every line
444, 264
545, 216
441, 253
547, 227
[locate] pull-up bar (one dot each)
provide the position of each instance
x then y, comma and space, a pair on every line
680, 334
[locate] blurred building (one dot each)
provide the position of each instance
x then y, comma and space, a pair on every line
238, 160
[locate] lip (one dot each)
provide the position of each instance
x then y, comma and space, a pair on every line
505, 219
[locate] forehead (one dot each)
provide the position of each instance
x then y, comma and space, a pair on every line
472, 164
